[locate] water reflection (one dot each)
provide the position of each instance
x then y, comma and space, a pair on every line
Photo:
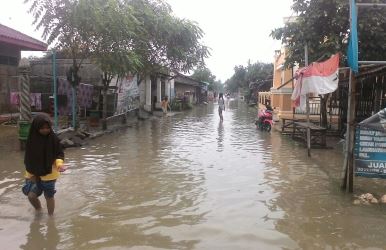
147, 198
317, 215
220, 137
42, 235
190, 182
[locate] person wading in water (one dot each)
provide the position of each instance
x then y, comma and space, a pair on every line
43, 162
221, 106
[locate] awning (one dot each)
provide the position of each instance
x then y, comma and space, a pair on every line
16, 38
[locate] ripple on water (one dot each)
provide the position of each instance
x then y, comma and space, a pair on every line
191, 182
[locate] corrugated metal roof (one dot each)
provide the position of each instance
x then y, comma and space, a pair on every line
14, 37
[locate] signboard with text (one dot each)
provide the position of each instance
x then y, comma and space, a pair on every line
370, 153
128, 93
370, 147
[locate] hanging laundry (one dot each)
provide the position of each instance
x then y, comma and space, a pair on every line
85, 93
36, 100
84, 96
62, 100
14, 98
65, 89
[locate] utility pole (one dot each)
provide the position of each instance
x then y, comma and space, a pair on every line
54, 87
307, 107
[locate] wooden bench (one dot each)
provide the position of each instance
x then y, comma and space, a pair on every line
287, 125
318, 134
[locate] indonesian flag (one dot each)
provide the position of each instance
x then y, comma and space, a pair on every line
318, 78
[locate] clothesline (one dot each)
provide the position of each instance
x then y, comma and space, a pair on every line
35, 99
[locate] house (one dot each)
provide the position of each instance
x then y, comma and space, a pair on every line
12, 42
189, 88
153, 88
282, 85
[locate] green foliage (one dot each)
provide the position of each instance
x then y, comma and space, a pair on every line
188, 106
165, 40
243, 76
204, 74
258, 71
115, 27
61, 22
120, 35
176, 105
324, 26
217, 86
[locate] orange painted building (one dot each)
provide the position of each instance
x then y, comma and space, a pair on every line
280, 93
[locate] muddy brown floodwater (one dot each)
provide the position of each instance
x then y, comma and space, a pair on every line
191, 182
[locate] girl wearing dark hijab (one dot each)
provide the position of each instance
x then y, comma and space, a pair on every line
43, 161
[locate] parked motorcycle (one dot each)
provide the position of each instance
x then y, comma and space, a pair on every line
264, 120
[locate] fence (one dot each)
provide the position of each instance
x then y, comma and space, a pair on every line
314, 107
265, 98
121, 118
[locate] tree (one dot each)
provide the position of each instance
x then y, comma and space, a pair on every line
252, 73
203, 74
111, 48
121, 36
258, 71
217, 86
153, 33
166, 43
324, 26
239, 78
63, 23
63, 27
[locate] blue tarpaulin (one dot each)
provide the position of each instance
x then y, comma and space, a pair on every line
352, 50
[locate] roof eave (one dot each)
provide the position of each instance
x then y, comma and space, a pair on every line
24, 45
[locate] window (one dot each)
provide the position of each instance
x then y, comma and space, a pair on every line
8, 60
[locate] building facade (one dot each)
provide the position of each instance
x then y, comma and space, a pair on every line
12, 42
282, 85
153, 88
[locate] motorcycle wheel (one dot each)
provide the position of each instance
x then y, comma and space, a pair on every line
267, 127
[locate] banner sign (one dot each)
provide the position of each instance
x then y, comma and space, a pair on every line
128, 94
370, 147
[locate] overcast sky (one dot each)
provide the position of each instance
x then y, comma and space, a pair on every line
236, 31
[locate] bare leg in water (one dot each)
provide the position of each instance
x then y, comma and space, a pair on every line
34, 200
50, 205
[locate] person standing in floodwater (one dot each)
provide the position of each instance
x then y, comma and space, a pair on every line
43, 162
165, 105
221, 106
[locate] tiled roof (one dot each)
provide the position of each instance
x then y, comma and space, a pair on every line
181, 78
14, 37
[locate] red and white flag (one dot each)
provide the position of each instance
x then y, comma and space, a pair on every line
318, 78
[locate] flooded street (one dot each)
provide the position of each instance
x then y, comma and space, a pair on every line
191, 182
